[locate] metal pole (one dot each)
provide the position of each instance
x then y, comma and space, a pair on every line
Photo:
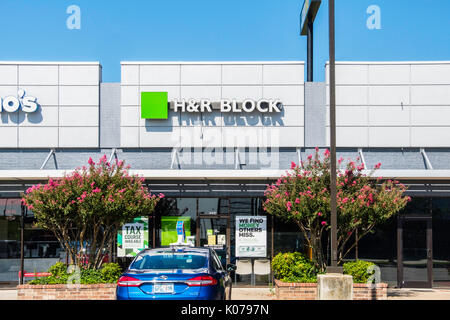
310, 54
331, 17
22, 246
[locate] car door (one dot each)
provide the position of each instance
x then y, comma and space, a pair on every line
226, 279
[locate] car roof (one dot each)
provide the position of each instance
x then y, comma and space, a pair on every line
179, 249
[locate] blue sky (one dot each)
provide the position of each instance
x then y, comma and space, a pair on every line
147, 30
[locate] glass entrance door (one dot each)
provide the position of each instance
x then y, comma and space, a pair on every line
215, 233
414, 252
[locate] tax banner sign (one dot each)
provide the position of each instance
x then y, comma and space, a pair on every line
133, 237
251, 236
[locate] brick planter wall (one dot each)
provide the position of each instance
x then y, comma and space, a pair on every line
295, 291
362, 291
64, 292
308, 291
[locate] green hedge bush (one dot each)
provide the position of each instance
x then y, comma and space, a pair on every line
293, 267
109, 273
358, 270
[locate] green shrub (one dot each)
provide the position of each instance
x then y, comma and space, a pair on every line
109, 273
293, 267
358, 270
58, 269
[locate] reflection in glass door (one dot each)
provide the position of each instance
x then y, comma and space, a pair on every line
415, 256
214, 233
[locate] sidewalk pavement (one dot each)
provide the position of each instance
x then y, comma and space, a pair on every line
268, 294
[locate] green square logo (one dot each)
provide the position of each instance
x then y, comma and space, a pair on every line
154, 105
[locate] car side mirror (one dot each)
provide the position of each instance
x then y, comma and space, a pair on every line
231, 267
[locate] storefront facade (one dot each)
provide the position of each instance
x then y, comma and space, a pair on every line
221, 132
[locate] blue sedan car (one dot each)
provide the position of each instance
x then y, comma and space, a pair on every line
175, 273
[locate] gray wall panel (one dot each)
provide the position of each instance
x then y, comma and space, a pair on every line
109, 115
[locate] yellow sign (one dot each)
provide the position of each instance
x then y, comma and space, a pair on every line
212, 239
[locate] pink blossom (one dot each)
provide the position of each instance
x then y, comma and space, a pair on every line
161, 195
91, 162
323, 223
297, 200
103, 159
289, 206
319, 213
293, 165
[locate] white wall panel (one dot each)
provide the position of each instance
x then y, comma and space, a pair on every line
349, 115
389, 115
430, 95
284, 74
45, 95
8, 91
78, 116
45, 116
130, 116
242, 74
389, 95
160, 137
8, 75
350, 136
79, 75
78, 137
430, 74
38, 137
79, 96
129, 137
350, 75
201, 74
289, 95
430, 137
38, 75
212, 93
8, 137
242, 92
389, 74
282, 137
349, 95
241, 136
129, 96
130, 75
430, 115
389, 137
159, 74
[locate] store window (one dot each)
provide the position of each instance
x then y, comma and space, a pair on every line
441, 242
41, 248
171, 210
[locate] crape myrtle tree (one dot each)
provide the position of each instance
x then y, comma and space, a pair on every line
302, 196
85, 208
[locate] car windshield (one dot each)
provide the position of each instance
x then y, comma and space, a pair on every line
170, 260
